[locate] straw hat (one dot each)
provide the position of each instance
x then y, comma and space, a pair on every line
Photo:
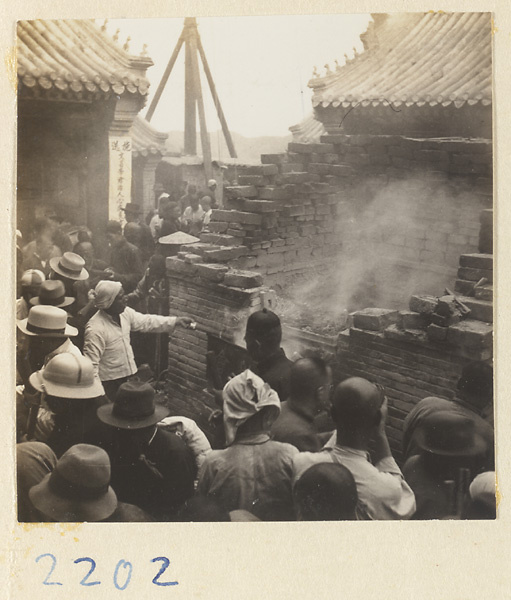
46, 321
69, 265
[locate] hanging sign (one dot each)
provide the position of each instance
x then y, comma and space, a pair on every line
119, 176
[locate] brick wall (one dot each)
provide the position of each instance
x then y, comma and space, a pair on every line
308, 210
403, 209
220, 300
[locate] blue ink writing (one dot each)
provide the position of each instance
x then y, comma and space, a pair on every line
54, 563
125, 565
164, 567
92, 567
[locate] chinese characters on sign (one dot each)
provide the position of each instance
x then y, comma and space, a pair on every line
120, 176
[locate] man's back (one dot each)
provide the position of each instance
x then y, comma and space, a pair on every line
253, 474
382, 490
159, 478
431, 493
126, 261
294, 427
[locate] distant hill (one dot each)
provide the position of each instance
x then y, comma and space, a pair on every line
248, 148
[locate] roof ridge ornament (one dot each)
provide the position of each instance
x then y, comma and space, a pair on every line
126, 46
103, 27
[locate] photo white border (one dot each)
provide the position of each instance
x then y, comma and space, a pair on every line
421, 560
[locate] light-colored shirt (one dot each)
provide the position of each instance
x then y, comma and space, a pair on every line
108, 345
191, 216
155, 226
22, 309
383, 494
66, 346
207, 217
252, 474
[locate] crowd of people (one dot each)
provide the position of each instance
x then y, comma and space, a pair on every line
95, 442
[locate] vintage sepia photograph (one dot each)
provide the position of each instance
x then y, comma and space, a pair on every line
255, 269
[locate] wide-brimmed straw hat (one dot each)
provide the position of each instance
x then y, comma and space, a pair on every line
69, 265
449, 434
47, 321
67, 375
133, 408
179, 238
52, 293
78, 489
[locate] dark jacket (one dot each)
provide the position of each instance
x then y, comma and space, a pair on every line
126, 261
77, 424
275, 370
296, 428
157, 478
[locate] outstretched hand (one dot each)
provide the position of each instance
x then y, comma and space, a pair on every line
184, 322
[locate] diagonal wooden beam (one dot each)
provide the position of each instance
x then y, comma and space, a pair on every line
206, 148
164, 79
216, 100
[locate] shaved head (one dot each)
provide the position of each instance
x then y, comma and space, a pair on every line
307, 374
356, 405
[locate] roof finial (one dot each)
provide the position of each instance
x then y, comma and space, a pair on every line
144, 50
355, 52
327, 68
126, 46
103, 27
116, 35
337, 65
346, 57
315, 72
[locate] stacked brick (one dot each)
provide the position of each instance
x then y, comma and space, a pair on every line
219, 299
420, 352
292, 215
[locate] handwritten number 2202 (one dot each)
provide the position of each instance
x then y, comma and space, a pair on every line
122, 572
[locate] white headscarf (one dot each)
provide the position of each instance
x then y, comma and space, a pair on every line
105, 293
244, 396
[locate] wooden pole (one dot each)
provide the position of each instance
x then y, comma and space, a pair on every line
190, 101
206, 148
216, 100
164, 79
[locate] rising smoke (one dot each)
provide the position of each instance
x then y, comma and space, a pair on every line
397, 240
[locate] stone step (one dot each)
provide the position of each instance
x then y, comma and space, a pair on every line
484, 292
477, 261
481, 310
466, 288
475, 275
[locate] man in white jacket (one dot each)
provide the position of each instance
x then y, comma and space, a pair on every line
107, 334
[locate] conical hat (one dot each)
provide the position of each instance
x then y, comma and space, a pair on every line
177, 239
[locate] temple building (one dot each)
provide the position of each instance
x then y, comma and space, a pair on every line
420, 74
79, 92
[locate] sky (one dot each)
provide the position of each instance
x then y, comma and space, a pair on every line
260, 65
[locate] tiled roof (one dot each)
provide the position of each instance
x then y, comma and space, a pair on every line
75, 58
415, 58
308, 131
146, 139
